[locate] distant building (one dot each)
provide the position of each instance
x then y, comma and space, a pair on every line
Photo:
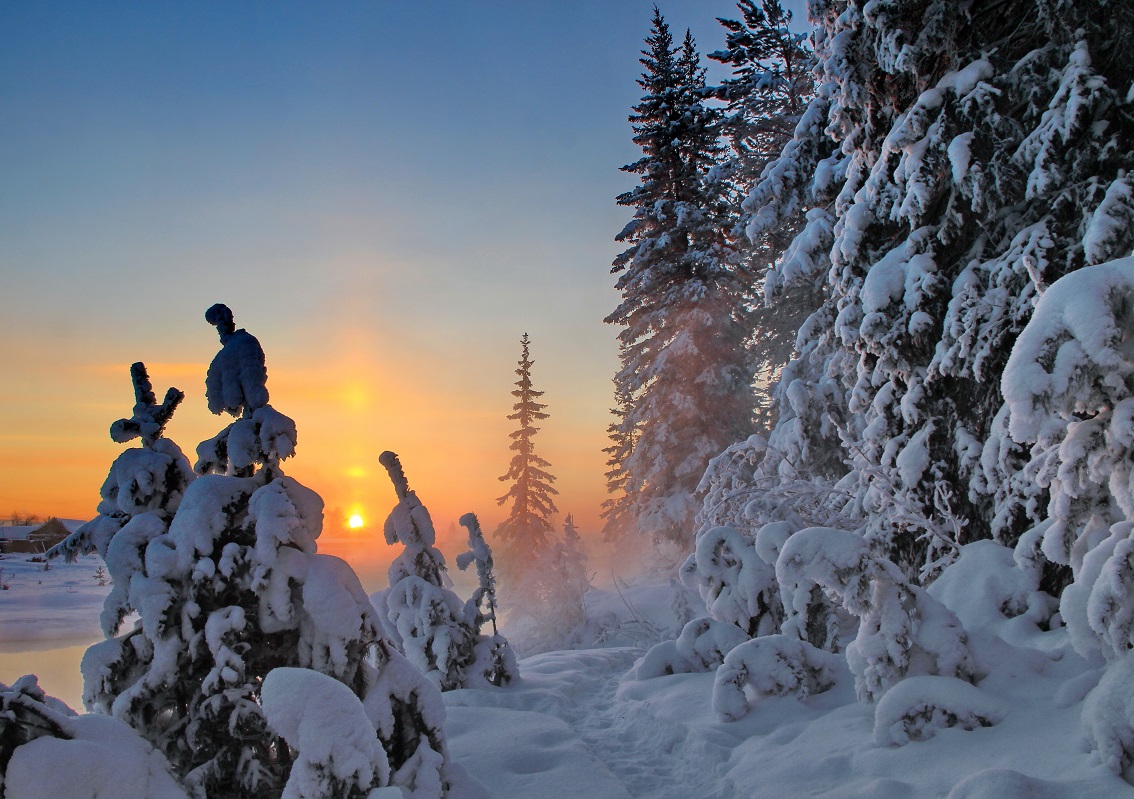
32, 539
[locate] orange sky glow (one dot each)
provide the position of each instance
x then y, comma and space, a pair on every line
349, 405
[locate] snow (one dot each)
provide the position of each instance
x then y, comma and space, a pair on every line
581, 723
56, 606
93, 757
322, 719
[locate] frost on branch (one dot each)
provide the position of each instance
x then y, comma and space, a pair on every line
902, 630
775, 665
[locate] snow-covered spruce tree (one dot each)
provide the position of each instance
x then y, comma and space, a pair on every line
982, 152
684, 375
435, 629
769, 88
235, 588
495, 660
568, 582
525, 536
1069, 388
617, 510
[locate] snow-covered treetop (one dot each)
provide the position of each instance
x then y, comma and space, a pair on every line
237, 377
149, 419
409, 522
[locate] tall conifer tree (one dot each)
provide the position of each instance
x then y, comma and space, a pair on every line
765, 97
683, 375
526, 532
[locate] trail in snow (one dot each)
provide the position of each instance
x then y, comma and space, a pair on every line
654, 758
630, 742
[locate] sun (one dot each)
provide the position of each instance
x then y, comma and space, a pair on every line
355, 522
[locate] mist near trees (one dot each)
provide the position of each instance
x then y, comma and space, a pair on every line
874, 403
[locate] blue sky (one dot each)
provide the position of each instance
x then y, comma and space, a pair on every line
387, 194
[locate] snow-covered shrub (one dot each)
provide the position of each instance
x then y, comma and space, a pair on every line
986, 588
915, 708
1108, 717
1068, 387
47, 752
902, 631
738, 586
235, 588
436, 630
338, 756
775, 665
701, 647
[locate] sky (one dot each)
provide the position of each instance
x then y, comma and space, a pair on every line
388, 195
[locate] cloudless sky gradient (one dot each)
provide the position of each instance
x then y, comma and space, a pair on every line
386, 194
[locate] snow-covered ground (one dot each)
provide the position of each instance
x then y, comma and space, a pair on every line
40, 608
578, 723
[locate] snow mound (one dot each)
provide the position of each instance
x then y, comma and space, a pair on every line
775, 665
914, 709
1002, 783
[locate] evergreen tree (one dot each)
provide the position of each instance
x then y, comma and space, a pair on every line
232, 588
435, 629
683, 375
617, 511
974, 155
765, 98
526, 533
495, 660
570, 579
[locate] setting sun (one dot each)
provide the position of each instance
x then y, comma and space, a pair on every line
355, 521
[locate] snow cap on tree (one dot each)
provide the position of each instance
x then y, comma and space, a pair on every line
236, 384
237, 377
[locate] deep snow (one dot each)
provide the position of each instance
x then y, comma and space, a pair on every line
577, 723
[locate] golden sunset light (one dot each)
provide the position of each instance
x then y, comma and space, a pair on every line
355, 522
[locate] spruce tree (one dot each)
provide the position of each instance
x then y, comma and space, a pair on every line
433, 627
526, 533
957, 160
617, 511
764, 100
684, 376
495, 660
232, 587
